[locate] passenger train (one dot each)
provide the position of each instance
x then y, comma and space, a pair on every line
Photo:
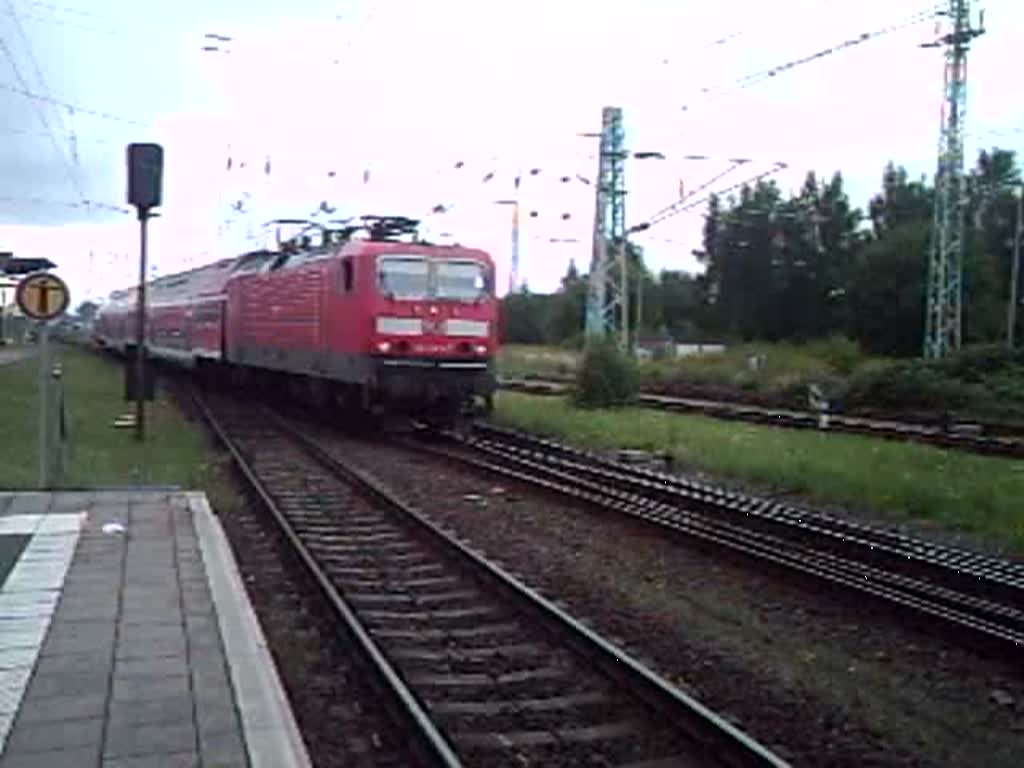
366, 316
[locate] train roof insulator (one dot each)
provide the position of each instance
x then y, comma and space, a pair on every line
390, 228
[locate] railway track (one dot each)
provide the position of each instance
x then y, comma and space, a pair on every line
334, 700
477, 668
979, 597
991, 445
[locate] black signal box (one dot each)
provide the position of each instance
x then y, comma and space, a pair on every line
145, 175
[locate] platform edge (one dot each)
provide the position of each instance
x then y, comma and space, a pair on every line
243, 639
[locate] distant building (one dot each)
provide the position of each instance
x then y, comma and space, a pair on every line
662, 345
686, 350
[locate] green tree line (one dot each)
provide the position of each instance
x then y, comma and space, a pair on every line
810, 265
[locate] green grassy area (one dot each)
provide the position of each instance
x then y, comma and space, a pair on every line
783, 370
522, 360
904, 481
175, 451
19, 435
985, 383
783, 366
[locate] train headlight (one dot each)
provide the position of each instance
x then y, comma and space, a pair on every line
480, 349
384, 346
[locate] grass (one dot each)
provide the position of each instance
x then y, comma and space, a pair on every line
904, 481
784, 373
783, 367
175, 451
521, 360
981, 382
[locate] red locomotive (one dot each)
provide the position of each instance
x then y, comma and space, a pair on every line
366, 315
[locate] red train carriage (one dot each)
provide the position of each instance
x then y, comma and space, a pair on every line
185, 314
115, 321
368, 315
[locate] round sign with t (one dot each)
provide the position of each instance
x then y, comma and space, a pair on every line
42, 296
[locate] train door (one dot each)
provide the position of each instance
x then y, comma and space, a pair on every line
343, 294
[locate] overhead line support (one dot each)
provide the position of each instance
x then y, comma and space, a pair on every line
944, 287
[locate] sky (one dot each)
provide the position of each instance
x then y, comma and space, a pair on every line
425, 99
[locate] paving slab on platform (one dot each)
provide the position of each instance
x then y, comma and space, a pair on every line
126, 639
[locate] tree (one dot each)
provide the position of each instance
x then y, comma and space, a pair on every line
87, 311
679, 297
522, 315
991, 215
808, 264
887, 294
900, 201
565, 318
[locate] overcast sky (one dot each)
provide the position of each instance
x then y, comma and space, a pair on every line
408, 88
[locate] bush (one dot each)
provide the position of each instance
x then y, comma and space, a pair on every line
842, 354
574, 343
606, 377
977, 363
908, 386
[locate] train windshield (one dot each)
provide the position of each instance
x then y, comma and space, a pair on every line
404, 277
461, 280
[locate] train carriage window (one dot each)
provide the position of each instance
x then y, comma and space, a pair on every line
404, 277
461, 280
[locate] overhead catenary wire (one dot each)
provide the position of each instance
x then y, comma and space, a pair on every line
736, 163
15, 131
687, 202
29, 94
44, 120
760, 76
63, 8
83, 204
685, 205
60, 22
914, 19
751, 79
41, 80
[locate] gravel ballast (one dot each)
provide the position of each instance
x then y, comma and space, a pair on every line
822, 678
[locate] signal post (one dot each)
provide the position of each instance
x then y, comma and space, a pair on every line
43, 297
145, 181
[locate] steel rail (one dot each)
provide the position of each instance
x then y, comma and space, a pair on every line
998, 628
965, 605
433, 744
974, 574
993, 573
729, 744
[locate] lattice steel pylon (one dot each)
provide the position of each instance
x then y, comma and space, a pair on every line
944, 287
606, 298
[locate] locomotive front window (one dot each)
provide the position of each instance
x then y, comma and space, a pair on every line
404, 277
462, 280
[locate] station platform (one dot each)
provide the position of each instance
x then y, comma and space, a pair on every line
127, 639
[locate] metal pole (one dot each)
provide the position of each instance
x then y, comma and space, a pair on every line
639, 304
513, 276
57, 430
1011, 310
140, 333
624, 269
44, 405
